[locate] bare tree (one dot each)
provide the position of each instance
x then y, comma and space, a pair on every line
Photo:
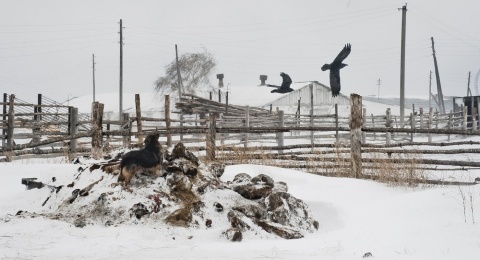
195, 69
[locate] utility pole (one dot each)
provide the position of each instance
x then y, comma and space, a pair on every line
469, 91
120, 112
179, 77
437, 77
402, 65
93, 70
430, 92
379, 84
180, 87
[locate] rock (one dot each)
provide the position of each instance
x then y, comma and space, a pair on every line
280, 186
208, 223
183, 166
218, 207
179, 182
139, 210
217, 169
191, 171
241, 178
79, 222
367, 254
279, 230
252, 211
181, 217
179, 151
287, 210
236, 219
253, 192
263, 179
233, 234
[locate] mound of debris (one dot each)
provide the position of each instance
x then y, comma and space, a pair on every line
187, 194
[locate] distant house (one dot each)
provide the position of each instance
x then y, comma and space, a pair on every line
260, 96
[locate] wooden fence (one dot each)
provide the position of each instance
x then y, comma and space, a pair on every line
220, 132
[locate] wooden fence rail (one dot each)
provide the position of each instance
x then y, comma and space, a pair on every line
246, 128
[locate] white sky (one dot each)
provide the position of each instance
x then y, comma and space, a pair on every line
46, 46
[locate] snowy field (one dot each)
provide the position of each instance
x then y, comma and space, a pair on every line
355, 216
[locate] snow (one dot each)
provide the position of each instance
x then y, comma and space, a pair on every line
355, 216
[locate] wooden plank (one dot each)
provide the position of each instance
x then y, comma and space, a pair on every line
139, 119
168, 122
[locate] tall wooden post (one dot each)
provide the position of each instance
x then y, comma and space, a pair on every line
430, 123
412, 126
127, 127
120, 92
312, 134
11, 120
247, 124
210, 138
402, 65
4, 118
421, 117
336, 123
168, 122
356, 120
97, 140
437, 77
388, 123
364, 121
139, 119
72, 130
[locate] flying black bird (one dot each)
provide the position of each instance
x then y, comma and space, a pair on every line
335, 67
285, 87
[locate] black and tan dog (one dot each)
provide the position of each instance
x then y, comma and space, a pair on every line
147, 159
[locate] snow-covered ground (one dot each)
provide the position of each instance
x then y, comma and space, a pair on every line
355, 216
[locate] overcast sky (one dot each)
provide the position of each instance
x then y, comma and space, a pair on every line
46, 46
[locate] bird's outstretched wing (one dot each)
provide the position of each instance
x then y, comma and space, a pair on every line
335, 82
343, 54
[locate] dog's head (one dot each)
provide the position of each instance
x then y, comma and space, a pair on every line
152, 139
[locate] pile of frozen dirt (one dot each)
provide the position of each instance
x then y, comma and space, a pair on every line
188, 194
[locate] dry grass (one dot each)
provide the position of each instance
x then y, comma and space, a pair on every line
394, 169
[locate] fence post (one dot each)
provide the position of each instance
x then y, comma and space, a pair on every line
336, 123
72, 130
373, 125
4, 120
139, 119
247, 124
210, 138
168, 122
412, 126
312, 134
356, 120
127, 127
37, 118
11, 121
465, 118
420, 109
364, 121
430, 122
449, 126
474, 119
281, 122
388, 123
97, 118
